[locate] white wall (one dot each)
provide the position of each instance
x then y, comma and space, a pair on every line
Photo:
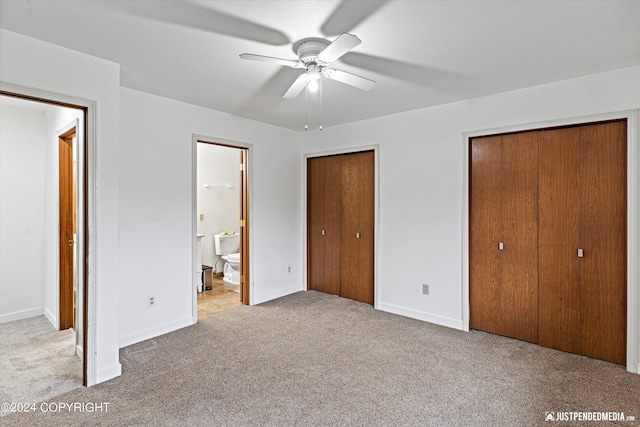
22, 214
39, 67
219, 206
421, 181
156, 209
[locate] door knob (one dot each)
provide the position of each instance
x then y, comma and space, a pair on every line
580, 253
323, 232
70, 242
501, 246
357, 235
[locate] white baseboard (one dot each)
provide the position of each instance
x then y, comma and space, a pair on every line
19, 315
108, 373
51, 318
259, 299
137, 337
420, 315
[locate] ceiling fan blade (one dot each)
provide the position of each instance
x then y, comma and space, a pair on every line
343, 44
350, 79
198, 16
297, 86
261, 58
349, 14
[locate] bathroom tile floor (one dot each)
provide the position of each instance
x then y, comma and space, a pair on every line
220, 298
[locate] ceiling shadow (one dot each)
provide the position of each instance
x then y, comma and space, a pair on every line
192, 15
349, 14
423, 76
269, 96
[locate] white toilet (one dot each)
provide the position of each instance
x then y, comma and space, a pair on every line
226, 245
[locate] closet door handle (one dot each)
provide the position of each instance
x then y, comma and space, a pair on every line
501, 246
323, 232
580, 253
357, 235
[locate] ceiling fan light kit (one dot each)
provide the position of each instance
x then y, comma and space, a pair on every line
314, 56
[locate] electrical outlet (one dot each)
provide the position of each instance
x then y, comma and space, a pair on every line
425, 288
289, 269
151, 301
201, 217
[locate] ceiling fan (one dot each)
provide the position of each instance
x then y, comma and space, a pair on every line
315, 55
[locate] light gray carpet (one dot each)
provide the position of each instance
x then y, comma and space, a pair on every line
312, 359
36, 361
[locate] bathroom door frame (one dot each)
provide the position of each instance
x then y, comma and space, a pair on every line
246, 197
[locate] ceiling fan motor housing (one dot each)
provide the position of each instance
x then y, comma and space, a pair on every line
309, 49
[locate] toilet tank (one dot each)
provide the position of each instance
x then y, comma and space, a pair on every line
226, 243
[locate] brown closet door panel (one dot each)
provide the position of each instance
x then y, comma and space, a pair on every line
504, 195
518, 296
559, 231
324, 213
603, 280
357, 218
485, 232
583, 206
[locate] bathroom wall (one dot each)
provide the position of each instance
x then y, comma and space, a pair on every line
22, 218
219, 207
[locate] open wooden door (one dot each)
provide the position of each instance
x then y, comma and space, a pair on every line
67, 223
244, 227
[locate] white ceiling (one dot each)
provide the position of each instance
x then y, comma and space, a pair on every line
421, 53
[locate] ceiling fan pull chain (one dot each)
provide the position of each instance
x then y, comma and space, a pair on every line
320, 95
306, 108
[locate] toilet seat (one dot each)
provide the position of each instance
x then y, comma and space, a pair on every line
234, 258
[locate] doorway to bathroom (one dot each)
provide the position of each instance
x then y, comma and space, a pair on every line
222, 226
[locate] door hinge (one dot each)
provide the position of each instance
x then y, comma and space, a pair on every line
242, 223
241, 167
241, 279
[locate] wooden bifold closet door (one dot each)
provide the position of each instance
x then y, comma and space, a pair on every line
504, 240
548, 238
340, 225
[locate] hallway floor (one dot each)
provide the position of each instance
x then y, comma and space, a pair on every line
221, 297
37, 362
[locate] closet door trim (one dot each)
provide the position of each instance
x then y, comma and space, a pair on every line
349, 150
633, 216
